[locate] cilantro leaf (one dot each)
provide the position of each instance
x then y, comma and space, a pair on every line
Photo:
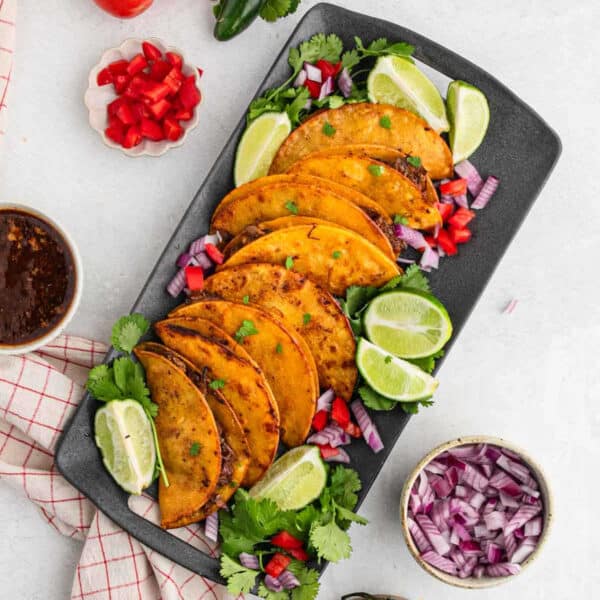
328, 129
332, 101
279, 348
427, 363
350, 59
289, 262
246, 328
306, 317
382, 47
330, 541
101, 384
267, 594
412, 408
344, 483
240, 580
385, 122
328, 47
376, 170
292, 207
217, 384
415, 279
345, 515
304, 519
127, 331
414, 161
123, 369
374, 400
138, 390
271, 10
297, 105
309, 581
195, 449
400, 220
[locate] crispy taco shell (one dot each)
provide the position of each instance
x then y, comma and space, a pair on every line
327, 333
333, 257
184, 419
235, 454
282, 355
360, 124
245, 388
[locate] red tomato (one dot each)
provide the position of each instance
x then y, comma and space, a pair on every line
124, 8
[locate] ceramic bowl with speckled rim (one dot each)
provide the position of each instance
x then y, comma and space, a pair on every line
545, 494
97, 97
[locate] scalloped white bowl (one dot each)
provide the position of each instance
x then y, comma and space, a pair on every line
97, 97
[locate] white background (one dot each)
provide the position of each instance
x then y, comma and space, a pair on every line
531, 377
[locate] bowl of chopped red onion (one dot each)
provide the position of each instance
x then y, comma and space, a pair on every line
475, 511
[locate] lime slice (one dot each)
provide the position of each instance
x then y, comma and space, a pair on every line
294, 480
392, 377
408, 324
469, 115
397, 81
124, 436
259, 144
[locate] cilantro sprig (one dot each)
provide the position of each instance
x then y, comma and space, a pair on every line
355, 303
124, 379
249, 525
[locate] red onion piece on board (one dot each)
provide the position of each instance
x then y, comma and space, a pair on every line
475, 511
368, 428
341, 457
469, 172
486, 193
211, 527
325, 399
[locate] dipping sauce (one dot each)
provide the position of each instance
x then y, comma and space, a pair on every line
37, 277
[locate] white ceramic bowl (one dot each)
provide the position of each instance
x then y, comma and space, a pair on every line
77, 291
473, 582
97, 97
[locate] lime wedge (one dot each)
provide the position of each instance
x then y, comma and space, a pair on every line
397, 81
294, 480
259, 144
392, 377
469, 115
408, 324
124, 436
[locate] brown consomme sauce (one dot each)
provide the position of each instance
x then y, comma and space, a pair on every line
37, 277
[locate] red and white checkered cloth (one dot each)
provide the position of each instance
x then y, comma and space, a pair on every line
38, 393
8, 13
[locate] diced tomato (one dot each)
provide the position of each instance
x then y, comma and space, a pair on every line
138, 110
456, 187
174, 79
430, 241
132, 137
156, 91
189, 94
136, 64
320, 420
151, 129
286, 541
299, 553
119, 67
120, 82
214, 253
114, 106
340, 412
459, 235
174, 60
314, 88
461, 218
200, 71
159, 70
194, 278
159, 109
445, 210
151, 52
328, 69
445, 243
104, 77
173, 130
125, 114
114, 121
277, 565
353, 430
327, 451
115, 133
183, 114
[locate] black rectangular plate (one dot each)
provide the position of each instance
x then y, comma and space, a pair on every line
520, 149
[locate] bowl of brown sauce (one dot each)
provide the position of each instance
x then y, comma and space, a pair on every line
40, 279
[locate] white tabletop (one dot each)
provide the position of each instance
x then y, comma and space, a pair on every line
531, 377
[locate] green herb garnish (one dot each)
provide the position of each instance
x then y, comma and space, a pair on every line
195, 449
400, 220
336, 254
328, 129
414, 161
385, 122
216, 384
289, 262
388, 359
246, 328
306, 317
279, 348
376, 170
246, 299
291, 206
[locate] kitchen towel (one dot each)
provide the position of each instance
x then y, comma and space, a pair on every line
38, 394
8, 13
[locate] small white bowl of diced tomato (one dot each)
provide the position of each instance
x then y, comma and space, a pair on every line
143, 98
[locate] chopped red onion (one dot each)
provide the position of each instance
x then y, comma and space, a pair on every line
445, 199
406, 261
344, 82
486, 192
411, 236
273, 583
477, 507
249, 560
368, 428
300, 78
288, 580
333, 435
313, 73
183, 260
325, 399
326, 88
211, 527
430, 259
341, 457
439, 562
308, 104
199, 245
177, 284
461, 200
469, 172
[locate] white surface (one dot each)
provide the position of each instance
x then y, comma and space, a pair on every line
531, 377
